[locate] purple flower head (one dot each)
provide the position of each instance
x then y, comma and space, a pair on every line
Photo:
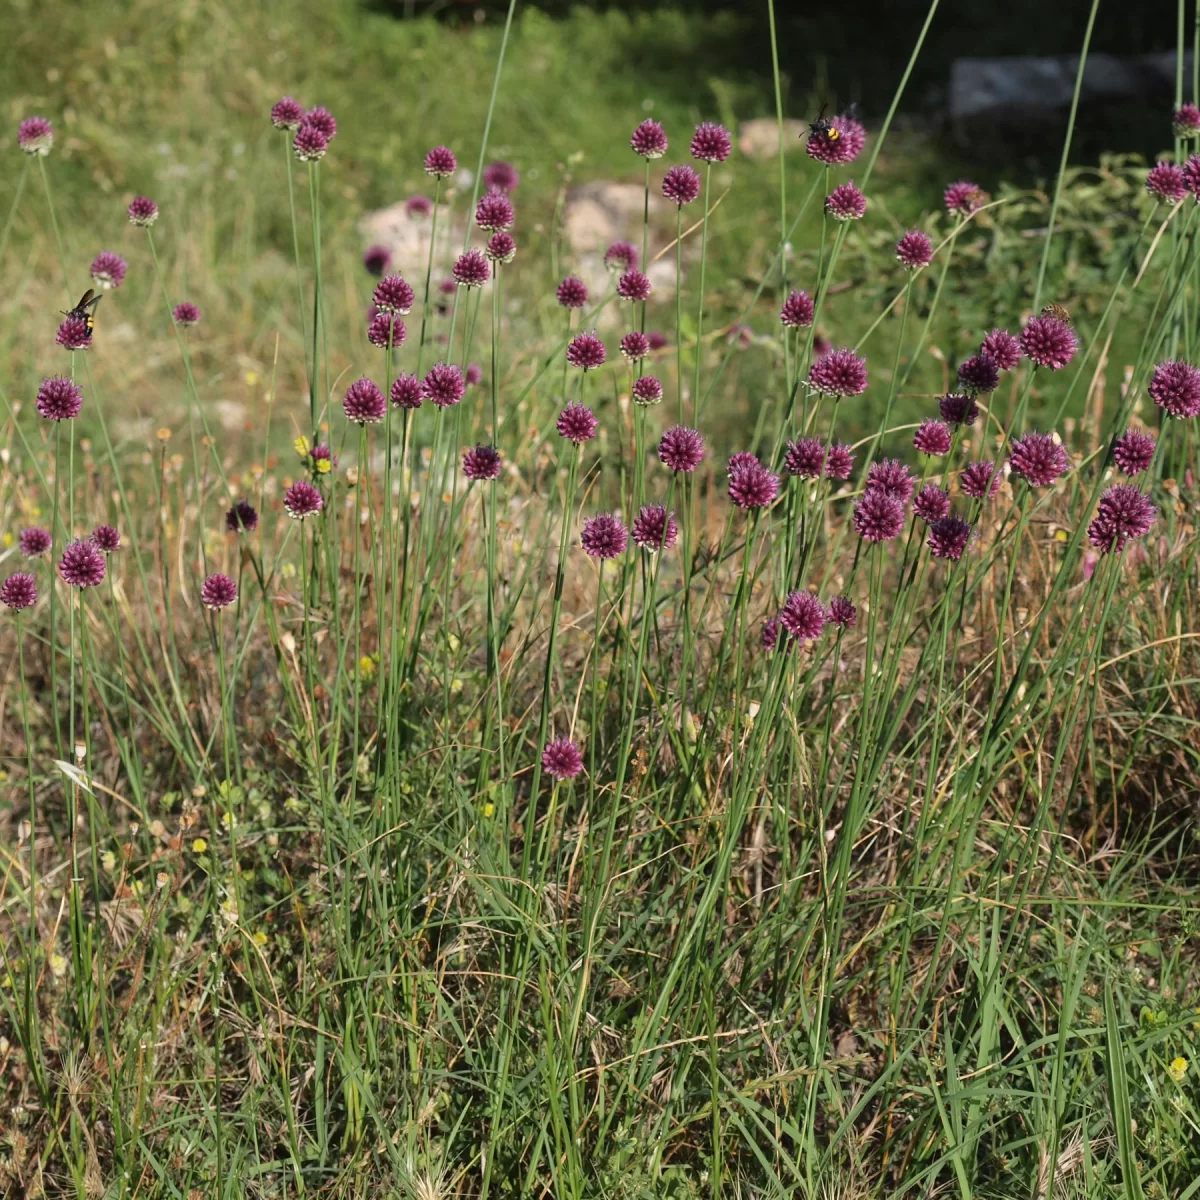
471, 269
681, 185
932, 437
805, 458
364, 403
1002, 348
1175, 387
481, 463
958, 409
1166, 182
393, 294
407, 392
681, 448
500, 248
561, 760
494, 212
309, 144
572, 292
743, 458
878, 517
474, 374
1124, 512
839, 462
846, 202
287, 113
1049, 341
440, 162
647, 390
142, 211
501, 176
386, 329
81, 565
242, 517
914, 250
73, 334
948, 537
978, 373
1191, 175
753, 486
649, 140
892, 478
980, 480
302, 500
1038, 459
711, 142
839, 373
377, 259
586, 350
797, 310
577, 423
217, 592
322, 453
964, 197
18, 591
836, 142
604, 536
635, 346
106, 539
444, 384
931, 504
1186, 121
842, 613
321, 119
1133, 452
418, 206
185, 315
654, 528
633, 285
803, 616
108, 270
770, 633
59, 399
657, 340
822, 347
35, 135
621, 256
34, 542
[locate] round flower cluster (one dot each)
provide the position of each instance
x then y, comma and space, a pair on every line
393, 294
108, 270
914, 250
797, 311
621, 256
106, 539
494, 212
635, 346
948, 537
364, 403
681, 185
878, 517
1166, 182
892, 478
185, 315
931, 504
500, 248
82, 565
1124, 513
1038, 459
19, 591
846, 202
501, 176
471, 269
217, 592
753, 486
444, 384
958, 409
287, 114
142, 211
1002, 348
839, 461
561, 759
59, 399
839, 373
842, 612
407, 392
571, 293
386, 329
604, 536
964, 197
649, 140
35, 135
978, 373
1049, 341
242, 517
1133, 452
74, 334
577, 423
418, 206
980, 480
377, 259
440, 162
309, 144
837, 141
681, 448
34, 541
633, 285
1175, 387
1186, 121
932, 437
654, 528
482, 463
711, 142
803, 616
647, 390
302, 500
805, 458
586, 351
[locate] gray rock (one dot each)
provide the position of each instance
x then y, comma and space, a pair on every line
759, 139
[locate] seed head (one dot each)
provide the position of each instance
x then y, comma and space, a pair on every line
59, 399
287, 113
1133, 452
647, 390
217, 592
654, 528
914, 250
1038, 459
577, 423
481, 463
586, 351
81, 565
572, 292
393, 294
604, 536
649, 140
839, 373
711, 142
681, 448
1124, 512
561, 759
34, 541
681, 185
440, 162
35, 135
364, 403
878, 517
406, 392
241, 518
1175, 387
302, 500
933, 437
108, 270
444, 384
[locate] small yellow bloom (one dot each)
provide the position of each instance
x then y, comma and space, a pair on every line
301, 446
108, 860
366, 667
251, 378
8, 540
488, 809
1177, 1069
199, 845
324, 466
260, 938
456, 686
58, 965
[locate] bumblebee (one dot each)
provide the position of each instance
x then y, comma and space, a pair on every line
1057, 312
824, 127
85, 310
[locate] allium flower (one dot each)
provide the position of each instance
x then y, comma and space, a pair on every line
932, 437
586, 350
839, 461
377, 259
842, 613
287, 113
797, 310
892, 478
577, 423
958, 409
681, 185
444, 384
838, 150
635, 346
822, 347
1124, 512
948, 537
501, 176
1187, 121
931, 504
770, 633
1002, 348
406, 392
604, 536
753, 486
803, 616
322, 119
657, 340
440, 162
964, 197
323, 459
980, 480
654, 528
59, 399
915, 250
418, 206
302, 499
1133, 452
471, 269
1191, 175
81, 565
561, 759
1038, 459
386, 329
474, 374
743, 458
978, 374
73, 334
572, 292
108, 270
878, 517
846, 202
711, 142
34, 541
500, 248
633, 285
364, 403
681, 448
1166, 182
142, 211
494, 211
217, 592
481, 463
1049, 342
242, 517
805, 458
35, 135
839, 373
1175, 386
106, 539
185, 315
393, 294
18, 591
649, 140
621, 256
647, 390
309, 144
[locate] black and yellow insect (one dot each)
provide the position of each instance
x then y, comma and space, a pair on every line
85, 310
1057, 312
824, 127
